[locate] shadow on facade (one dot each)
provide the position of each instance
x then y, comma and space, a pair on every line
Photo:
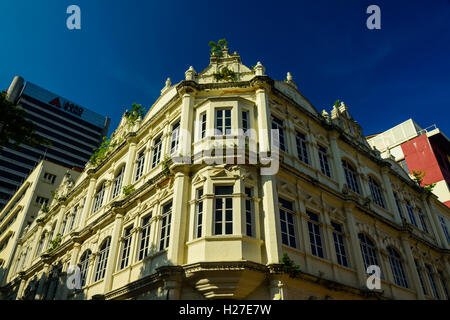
51, 286
151, 280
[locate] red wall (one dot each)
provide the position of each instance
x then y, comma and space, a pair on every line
419, 155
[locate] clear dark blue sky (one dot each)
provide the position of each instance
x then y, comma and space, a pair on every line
126, 50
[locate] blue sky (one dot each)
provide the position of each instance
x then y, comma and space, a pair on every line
126, 50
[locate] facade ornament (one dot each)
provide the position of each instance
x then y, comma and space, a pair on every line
259, 69
326, 115
167, 86
290, 81
190, 74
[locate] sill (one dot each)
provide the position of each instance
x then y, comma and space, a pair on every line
226, 237
151, 256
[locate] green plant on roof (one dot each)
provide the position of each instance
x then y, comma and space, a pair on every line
136, 112
217, 48
101, 151
419, 175
289, 266
127, 190
55, 243
225, 74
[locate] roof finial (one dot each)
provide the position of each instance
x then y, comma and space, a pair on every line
259, 69
190, 73
289, 76
167, 86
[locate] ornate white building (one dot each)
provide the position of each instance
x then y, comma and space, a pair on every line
202, 230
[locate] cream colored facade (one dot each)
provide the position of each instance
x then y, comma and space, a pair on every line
23, 208
152, 243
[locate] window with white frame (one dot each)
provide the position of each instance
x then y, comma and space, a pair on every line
430, 275
444, 227
339, 245
140, 162
422, 282
287, 223
40, 245
422, 220
375, 190
399, 206
126, 245
203, 125
245, 120
249, 213
398, 271
144, 247
444, 284
117, 184
223, 210
42, 201
199, 214
102, 260
279, 124
98, 198
315, 238
49, 177
64, 223
368, 251
351, 176
73, 218
84, 267
411, 214
324, 163
302, 147
175, 140
157, 145
223, 121
165, 226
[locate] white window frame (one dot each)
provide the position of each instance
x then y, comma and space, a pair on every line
156, 154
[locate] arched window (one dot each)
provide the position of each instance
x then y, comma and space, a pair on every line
40, 245
84, 267
411, 214
351, 176
51, 235
98, 198
368, 250
377, 194
397, 267
117, 184
64, 223
102, 259
73, 218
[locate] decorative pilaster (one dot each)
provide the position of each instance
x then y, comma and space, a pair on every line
337, 162
112, 257
61, 215
264, 126
179, 213
187, 94
271, 219
88, 202
411, 267
358, 262
390, 195
435, 224
131, 156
